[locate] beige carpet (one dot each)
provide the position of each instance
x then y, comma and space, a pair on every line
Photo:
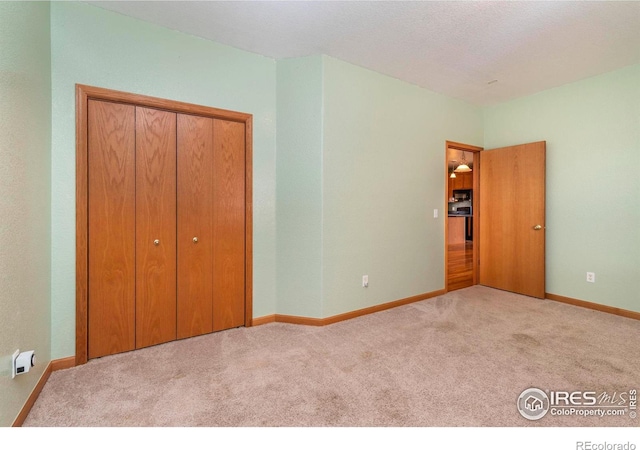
461, 359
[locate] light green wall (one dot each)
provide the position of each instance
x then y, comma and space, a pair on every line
100, 48
359, 166
299, 186
360, 169
592, 130
383, 175
25, 167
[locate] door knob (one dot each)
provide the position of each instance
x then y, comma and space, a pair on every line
537, 227
156, 242
195, 240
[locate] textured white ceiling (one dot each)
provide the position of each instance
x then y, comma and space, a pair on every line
452, 47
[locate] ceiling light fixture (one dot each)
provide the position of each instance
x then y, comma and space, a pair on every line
463, 167
453, 175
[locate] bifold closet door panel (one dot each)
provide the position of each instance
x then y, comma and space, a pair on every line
228, 224
111, 221
155, 226
195, 234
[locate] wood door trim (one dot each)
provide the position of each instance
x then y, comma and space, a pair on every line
477, 195
83, 94
82, 226
476, 208
97, 93
248, 207
464, 147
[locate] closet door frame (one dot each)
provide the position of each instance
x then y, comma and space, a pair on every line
85, 93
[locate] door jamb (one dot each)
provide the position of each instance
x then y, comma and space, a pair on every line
451, 145
83, 94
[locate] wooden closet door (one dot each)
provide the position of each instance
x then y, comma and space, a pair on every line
155, 226
195, 233
111, 228
228, 224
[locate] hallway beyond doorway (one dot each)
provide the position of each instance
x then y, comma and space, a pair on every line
460, 265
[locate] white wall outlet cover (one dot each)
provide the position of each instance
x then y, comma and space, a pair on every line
23, 362
13, 363
365, 281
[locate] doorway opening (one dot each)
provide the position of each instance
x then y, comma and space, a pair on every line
462, 163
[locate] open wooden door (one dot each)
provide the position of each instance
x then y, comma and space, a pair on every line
512, 219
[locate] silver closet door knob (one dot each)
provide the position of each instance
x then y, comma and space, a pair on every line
156, 242
195, 240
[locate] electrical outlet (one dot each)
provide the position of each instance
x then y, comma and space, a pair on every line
365, 280
591, 277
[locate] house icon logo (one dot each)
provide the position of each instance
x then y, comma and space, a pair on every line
533, 404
